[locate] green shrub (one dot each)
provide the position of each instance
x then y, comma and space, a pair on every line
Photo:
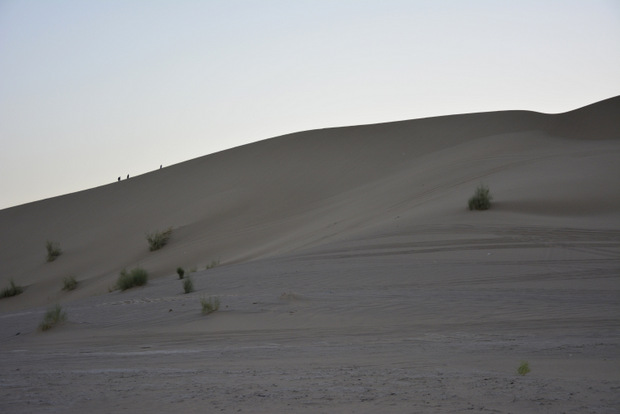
53, 250
158, 239
69, 283
12, 290
52, 317
188, 285
180, 272
209, 306
137, 277
524, 368
481, 200
212, 264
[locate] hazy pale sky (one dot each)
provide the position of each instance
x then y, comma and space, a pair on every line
92, 90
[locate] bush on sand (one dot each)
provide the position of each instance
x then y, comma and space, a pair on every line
136, 277
481, 200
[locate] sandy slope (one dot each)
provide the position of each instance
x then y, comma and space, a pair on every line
352, 276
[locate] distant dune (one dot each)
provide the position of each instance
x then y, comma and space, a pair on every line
310, 214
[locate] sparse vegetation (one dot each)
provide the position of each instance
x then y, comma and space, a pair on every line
193, 270
136, 277
53, 250
158, 239
188, 285
524, 368
212, 264
180, 272
210, 305
69, 283
481, 200
12, 290
53, 317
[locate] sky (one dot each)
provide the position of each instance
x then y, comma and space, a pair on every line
91, 90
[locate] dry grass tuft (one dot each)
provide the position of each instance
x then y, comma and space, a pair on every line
158, 239
53, 317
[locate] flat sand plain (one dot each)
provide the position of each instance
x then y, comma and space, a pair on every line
352, 277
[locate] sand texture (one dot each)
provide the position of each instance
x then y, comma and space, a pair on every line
351, 274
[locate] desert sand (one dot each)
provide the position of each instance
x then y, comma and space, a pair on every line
351, 274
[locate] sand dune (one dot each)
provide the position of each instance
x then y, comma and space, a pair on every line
352, 276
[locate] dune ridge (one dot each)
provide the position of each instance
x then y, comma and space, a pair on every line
348, 261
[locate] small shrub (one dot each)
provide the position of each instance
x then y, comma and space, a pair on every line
53, 250
481, 200
193, 270
12, 290
212, 264
158, 239
69, 283
209, 306
52, 317
188, 285
137, 277
180, 272
524, 368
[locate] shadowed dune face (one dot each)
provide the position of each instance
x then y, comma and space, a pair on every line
302, 190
